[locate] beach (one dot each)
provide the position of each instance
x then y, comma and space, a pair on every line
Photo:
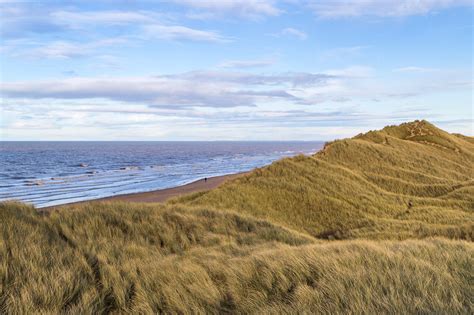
162, 195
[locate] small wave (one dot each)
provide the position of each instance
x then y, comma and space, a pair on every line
129, 168
34, 183
21, 177
287, 152
157, 167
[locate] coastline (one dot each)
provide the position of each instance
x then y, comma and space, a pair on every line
160, 195
118, 168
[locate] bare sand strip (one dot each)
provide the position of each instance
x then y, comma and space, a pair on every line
165, 194
162, 195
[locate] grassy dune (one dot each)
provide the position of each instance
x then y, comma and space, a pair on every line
400, 201
412, 180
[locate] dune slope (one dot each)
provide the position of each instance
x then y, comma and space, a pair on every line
412, 180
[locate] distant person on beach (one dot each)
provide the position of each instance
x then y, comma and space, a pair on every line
205, 179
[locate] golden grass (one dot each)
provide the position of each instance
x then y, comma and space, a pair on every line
123, 258
401, 199
379, 185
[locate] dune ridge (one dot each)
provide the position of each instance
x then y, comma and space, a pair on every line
412, 180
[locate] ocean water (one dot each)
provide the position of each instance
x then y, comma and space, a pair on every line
54, 173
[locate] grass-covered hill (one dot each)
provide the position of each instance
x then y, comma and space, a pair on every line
412, 180
399, 200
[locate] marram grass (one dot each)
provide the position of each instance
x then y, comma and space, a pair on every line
381, 223
408, 181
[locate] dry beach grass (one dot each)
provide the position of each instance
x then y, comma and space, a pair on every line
413, 180
380, 223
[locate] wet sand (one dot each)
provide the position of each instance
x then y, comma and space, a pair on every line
165, 194
162, 195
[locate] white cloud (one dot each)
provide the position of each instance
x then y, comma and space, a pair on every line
353, 71
256, 63
293, 79
382, 8
59, 120
137, 25
192, 105
60, 49
293, 32
193, 89
176, 32
85, 19
64, 49
414, 69
227, 89
245, 8
21, 30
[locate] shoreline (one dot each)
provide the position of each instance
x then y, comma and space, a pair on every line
160, 195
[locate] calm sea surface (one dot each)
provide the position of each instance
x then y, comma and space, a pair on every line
53, 173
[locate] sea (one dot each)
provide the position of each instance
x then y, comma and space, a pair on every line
53, 173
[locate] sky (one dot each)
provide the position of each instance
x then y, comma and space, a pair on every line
232, 69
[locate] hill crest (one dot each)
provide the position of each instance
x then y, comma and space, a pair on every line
420, 131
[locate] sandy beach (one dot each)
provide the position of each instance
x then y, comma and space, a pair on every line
161, 195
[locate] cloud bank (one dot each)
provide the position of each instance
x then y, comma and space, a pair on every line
191, 89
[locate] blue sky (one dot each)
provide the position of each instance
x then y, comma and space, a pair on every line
232, 69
